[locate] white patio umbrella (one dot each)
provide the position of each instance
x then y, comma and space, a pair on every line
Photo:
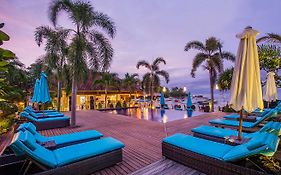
270, 91
246, 90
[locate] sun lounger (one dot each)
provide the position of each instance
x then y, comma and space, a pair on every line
83, 158
48, 122
258, 111
249, 118
217, 158
44, 114
52, 143
221, 134
29, 108
246, 126
60, 140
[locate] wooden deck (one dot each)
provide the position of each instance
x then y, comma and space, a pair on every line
142, 138
166, 166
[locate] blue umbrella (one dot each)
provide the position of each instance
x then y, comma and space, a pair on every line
162, 112
35, 91
189, 113
188, 101
43, 95
162, 100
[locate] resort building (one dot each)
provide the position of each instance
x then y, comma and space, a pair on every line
89, 99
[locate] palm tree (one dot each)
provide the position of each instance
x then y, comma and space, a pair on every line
108, 80
56, 48
88, 47
151, 80
210, 54
131, 82
271, 37
224, 79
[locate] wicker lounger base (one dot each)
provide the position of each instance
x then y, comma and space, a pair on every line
204, 164
254, 129
87, 166
50, 124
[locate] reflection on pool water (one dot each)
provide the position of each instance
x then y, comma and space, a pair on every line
156, 114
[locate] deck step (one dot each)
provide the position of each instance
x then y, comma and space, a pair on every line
166, 166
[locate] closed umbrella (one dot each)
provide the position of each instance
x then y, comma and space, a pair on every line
44, 94
246, 91
35, 91
270, 91
188, 101
162, 100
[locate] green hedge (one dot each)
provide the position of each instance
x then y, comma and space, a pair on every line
6, 122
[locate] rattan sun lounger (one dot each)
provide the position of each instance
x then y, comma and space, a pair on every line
60, 140
216, 158
246, 126
82, 158
222, 134
48, 122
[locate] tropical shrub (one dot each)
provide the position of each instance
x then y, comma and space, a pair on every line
111, 105
124, 105
118, 104
6, 123
99, 105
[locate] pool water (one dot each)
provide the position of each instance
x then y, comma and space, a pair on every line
156, 114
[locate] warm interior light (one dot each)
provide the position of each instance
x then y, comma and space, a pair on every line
217, 87
164, 89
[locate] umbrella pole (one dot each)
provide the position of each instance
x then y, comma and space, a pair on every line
268, 104
240, 124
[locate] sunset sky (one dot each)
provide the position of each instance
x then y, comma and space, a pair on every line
147, 29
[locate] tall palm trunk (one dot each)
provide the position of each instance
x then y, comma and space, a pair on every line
151, 91
130, 98
105, 98
211, 90
59, 94
73, 101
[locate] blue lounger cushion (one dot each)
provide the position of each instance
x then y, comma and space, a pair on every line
237, 116
216, 132
61, 139
47, 119
270, 127
232, 123
267, 146
271, 113
85, 150
29, 108
65, 155
45, 115
198, 145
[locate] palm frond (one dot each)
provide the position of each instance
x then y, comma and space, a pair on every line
56, 7
227, 56
270, 37
94, 60
197, 61
41, 33
143, 63
164, 74
194, 45
216, 62
213, 44
105, 22
158, 60
104, 48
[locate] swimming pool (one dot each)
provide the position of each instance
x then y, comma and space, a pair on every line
156, 114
